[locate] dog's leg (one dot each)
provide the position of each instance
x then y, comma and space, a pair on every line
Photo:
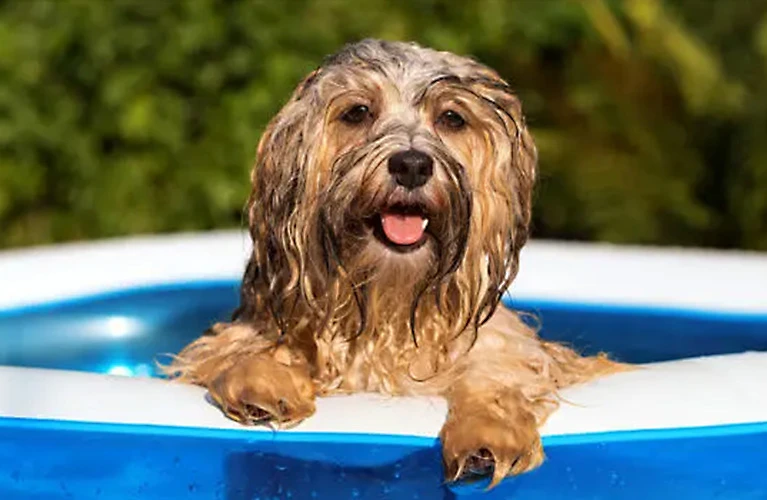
502, 393
254, 379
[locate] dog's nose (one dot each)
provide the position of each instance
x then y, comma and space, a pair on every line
411, 168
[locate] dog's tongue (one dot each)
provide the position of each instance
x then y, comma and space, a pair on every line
403, 229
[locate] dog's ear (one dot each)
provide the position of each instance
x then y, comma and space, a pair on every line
277, 208
522, 155
517, 174
508, 107
524, 158
286, 133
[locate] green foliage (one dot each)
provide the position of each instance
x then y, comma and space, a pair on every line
139, 116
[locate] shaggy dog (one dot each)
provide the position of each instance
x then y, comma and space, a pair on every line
390, 200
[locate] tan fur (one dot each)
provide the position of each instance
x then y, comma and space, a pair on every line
327, 308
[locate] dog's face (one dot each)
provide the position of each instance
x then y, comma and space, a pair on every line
394, 164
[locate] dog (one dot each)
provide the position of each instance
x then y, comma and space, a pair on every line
391, 197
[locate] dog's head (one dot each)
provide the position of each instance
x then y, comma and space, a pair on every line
393, 167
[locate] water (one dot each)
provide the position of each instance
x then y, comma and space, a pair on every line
125, 333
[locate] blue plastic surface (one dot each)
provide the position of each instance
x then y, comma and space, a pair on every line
49, 460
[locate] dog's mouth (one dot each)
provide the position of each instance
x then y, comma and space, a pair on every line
401, 227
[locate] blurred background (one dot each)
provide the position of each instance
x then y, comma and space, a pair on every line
122, 117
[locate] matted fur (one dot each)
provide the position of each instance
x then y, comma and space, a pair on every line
326, 307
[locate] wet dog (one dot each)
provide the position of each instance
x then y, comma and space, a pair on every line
391, 197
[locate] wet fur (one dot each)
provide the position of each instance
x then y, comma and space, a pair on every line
326, 308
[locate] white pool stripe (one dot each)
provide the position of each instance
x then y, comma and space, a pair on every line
40, 275
729, 282
702, 392
89, 397
642, 276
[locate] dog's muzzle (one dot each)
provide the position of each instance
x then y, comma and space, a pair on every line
404, 226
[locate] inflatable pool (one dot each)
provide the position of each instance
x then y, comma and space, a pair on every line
83, 414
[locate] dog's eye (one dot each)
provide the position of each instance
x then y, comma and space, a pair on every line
452, 120
356, 114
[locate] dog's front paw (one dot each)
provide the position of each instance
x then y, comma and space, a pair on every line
477, 445
265, 389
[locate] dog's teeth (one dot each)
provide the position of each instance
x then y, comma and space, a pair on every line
424, 223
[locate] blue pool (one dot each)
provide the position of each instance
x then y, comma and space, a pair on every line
59, 437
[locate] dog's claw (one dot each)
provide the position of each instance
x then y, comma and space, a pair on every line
481, 463
477, 447
262, 390
470, 467
453, 469
256, 415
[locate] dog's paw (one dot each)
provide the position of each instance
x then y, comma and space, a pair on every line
476, 446
265, 389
